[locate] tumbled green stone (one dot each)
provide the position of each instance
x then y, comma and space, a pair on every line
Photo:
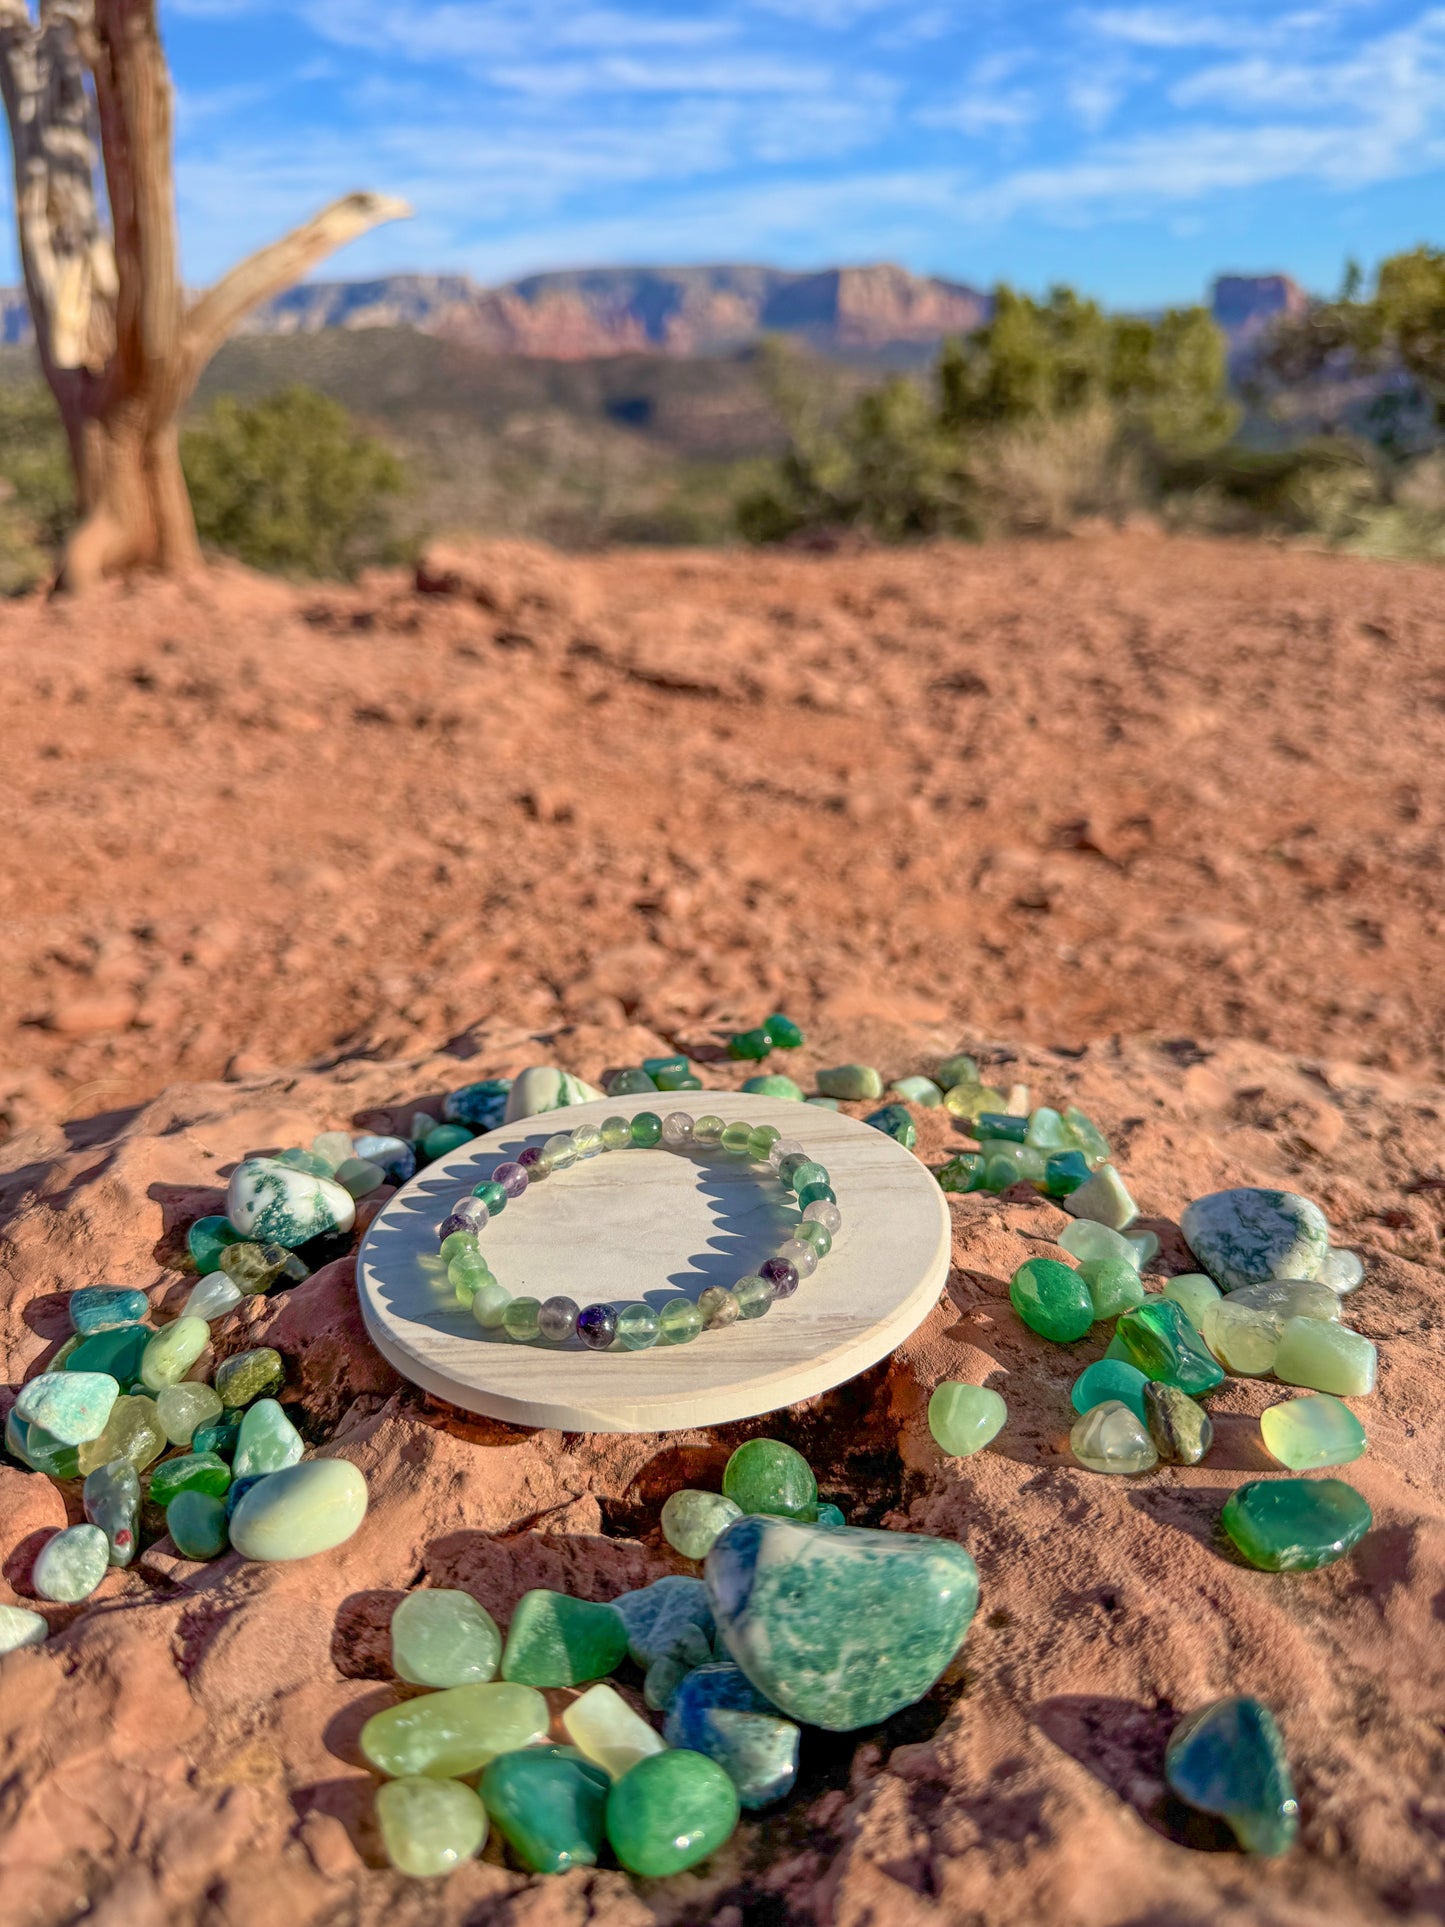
173, 1351
961, 1173
1052, 1299
1306, 1433
212, 1297
1025, 1163
785, 1034
893, 1121
53, 1456
1093, 1243
100, 1308
549, 1804
963, 1418
670, 1812
70, 1566
959, 1069
267, 1441
248, 1375
1087, 1135
631, 1082
1295, 1525
218, 1435
1114, 1286
521, 1319
555, 1640
1228, 1759
206, 1239
1181, 1430
646, 1129
197, 1524
253, 1268
72, 1406
1104, 1198
999, 1173
301, 1510
1290, 1298
444, 1139
918, 1090
1110, 1378
1249, 1234
457, 1731
1000, 1126
1064, 1172
854, 1083
181, 1408
968, 1099
678, 1321
1243, 1341
117, 1352
111, 1497
359, 1176
692, 1520
764, 1475
1325, 1357
21, 1627
1108, 1438
133, 1431
637, 1328
1194, 1293
654, 1066
302, 1160
196, 1472
440, 1637
430, 1827
735, 1138
1047, 1131
829, 1514
1158, 1338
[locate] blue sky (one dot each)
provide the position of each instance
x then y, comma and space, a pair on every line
1133, 150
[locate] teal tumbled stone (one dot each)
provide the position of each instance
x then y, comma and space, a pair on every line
219, 1436
100, 1308
555, 1640
751, 1045
839, 1627
1110, 1378
894, 1121
1052, 1299
1064, 1172
206, 1239
442, 1139
116, 1351
1228, 1759
764, 1475
72, 1406
197, 1524
70, 1566
440, 1637
669, 1812
549, 1803
481, 1106
1295, 1525
266, 1442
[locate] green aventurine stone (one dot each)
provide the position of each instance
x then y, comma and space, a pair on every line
248, 1375
1110, 1378
961, 1173
555, 1640
775, 1085
172, 1352
669, 1812
111, 1497
854, 1083
444, 1638
461, 1730
70, 1566
1158, 1338
785, 1034
1114, 1285
197, 1524
1306, 1433
1181, 1430
100, 1308
550, 1806
1052, 1300
839, 1627
117, 1352
751, 1045
206, 1239
963, 1418
71, 1406
893, 1121
764, 1475
1228, 1759
430, 1827
267, 1441
196, 1472
1295, 1525
692, 1520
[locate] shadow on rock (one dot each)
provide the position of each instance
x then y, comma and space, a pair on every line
1122, 1744
361, 1637
342, 1738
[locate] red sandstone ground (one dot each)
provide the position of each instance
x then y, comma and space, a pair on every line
1165, 815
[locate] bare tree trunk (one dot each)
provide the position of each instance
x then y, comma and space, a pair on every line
119, 347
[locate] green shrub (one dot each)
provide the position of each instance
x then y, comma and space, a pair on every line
37, 493
292, 485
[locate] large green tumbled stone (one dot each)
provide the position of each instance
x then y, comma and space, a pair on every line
671, 1811
918, 1090
1064, 1172
555, 1640
1091, 1243
1103, 1198
1108, 1438
549, 1804
838, 1626
461, 1730
1158, 1338
116, 1351
197, 1525
1106, 1379
1228, 1759
247, 1375
1052, 1299
430, 1827
964, 1418
444, 1638
606, 1729
71, 1406
305, 1509
1325, 1357
764, 1475
692, 1520
1295, 1525
275, 1204
1248, 1235
1307, 1433
70, 1566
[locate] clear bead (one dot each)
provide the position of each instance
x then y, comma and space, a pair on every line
800, 1256
557, 1319
677, 1130
708, 1129
559, 1151
825, 1214
467, 1214
719, 1308
588, 1140
637, 1327
616, 1133
786, 1147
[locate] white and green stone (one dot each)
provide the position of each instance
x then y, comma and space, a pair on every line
545, 1088
274, 1203
72, 1407
266, 1442
71, 1565
21, 1627
440, 1638
1249, 1235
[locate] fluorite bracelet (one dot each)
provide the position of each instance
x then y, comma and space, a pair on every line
634, 1327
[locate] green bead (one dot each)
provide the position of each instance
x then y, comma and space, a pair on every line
707, 1129
752, 1045
1228, 1759
814, 1234
804, 1174
1064, 1172
811, 1193
1106, 1379
266, 1442
637, 1327
775, 1085
961, 1173
631, 1083
646, 1128
457, 1731
444, 1638
255, 1374
196, 1472
446, 1137
549, 1804
520, 1319
963, 1418
761, 1140
1158, 1338
1114, 1286
616, 1133
459, 1244
679, 1321
555, 1640
735, 1139
764, 1475
854, 1083
489, 1305
430, 1827
117, 1352
893, 1121
670, 1812
1295, 1525
1052, 1300
783, 1031
754, 1295
206, 1239
1306, 1433
492, 1196
196, 1522
692, 1520
1181, 1430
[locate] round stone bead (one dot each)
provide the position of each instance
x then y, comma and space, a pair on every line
816, 1235
466, 1276
806, 1173
677, 1130
457, 1244
646, 1129
824, 1212
782, 1276
708, 1129
794, 1161
637, 1327
532, 1161
754, 1295
785, 1147
761, 1140
597, 1326
588, 1140
492, 1196
816, 1194
489, 1305
557, 1320
735, 1139
616, 1133
679, 1321
559, 1151
512, 1177
719, 1307
800, 1255
467, 1214
520, 1319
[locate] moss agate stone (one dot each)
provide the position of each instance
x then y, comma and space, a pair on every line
248, 1375
266, 1442
111, 1497
197, 1524
1052, 1299
1307, 1433
306, 1509
1158, 1338
461, 1730
1110, 1378
764, 1475
21, 1627
853, 1083
70, 1566
964, 1418
100, 1308
1228, 1759
1181, 1430
444, 1638
1325, 1357
430, 1827
718, 1711
1108, 1438
273, 1203
1104, 1198
550, 1806
171, 1353
1248, 1235
1295, 1525
133, 1431
481, 1107
692, 1520
837, 1626
71, 1406
606, 1730
555, 1640
670, 1812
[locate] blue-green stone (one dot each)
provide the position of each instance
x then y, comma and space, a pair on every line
1051, 1299
1228, 1759
670, 1619
116, 1351
550, 1806
1295, 1525
812, 1193
1064, 1172
481, 1107
999, 1125
70, 1566
1110, 1378
655, 1066
1248, 1235
893, 1121
718, 1711
443, 1139
669, 1812
206, 1239
111, 1497
101, 1308
839, 1627
555, 1640
196, 1522
964, 1172
751, 1045
829, 1514
72, 1406
266, 1442
219, 1436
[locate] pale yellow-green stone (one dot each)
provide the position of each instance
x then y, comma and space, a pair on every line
603, 1726
173, 1351
429, 1827
181, 1408
133, 1431
1103, 1198
1289, 1298
1243, 1341
444, 1638
442, 1735
963, 1418
1110, 1438
1194, 1293
1326, 1358
1306, 1433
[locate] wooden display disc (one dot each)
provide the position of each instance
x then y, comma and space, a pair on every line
652, 1225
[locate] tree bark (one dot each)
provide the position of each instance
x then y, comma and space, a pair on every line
119, 347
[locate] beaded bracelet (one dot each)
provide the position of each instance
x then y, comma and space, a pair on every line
633, 1328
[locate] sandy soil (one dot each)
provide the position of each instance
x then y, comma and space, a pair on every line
1166, 816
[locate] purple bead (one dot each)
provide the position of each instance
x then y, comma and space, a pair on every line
529, 1159
557, 1319
456, 1222
597, 1326
782, 1276
512, 1177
